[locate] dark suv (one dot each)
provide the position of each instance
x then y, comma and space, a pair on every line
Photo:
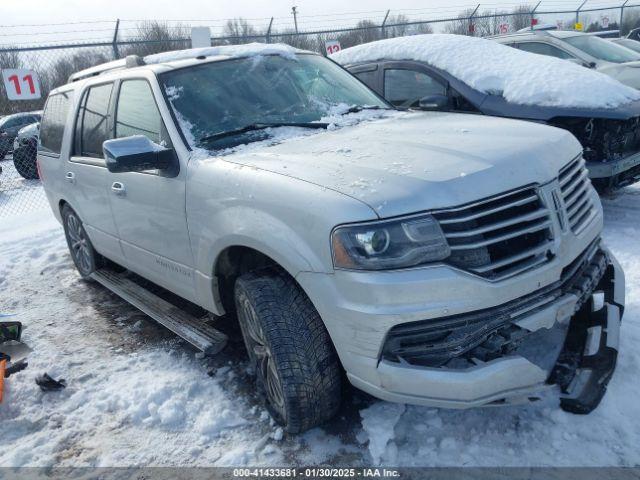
610, 136
10, 126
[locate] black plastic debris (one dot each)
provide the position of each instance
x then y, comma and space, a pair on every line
48, 384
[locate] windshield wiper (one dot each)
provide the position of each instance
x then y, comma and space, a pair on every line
261, 126
359, 108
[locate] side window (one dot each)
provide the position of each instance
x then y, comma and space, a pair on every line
138, 114
368, 77
53, 121
10, 123
544, 49
404, 88
92, 125
24, 121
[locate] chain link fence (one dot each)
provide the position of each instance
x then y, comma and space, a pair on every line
20, 188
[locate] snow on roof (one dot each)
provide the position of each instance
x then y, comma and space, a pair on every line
490, 67
247, 50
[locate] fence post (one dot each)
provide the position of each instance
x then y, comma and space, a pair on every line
578, 12
622, 16
533, 13
382, 30
116, 54
472, 28
268, 36
294, 10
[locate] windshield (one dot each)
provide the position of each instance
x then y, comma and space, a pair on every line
626, 42
602, 49
227, 96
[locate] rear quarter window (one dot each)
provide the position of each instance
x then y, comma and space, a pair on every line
53, 122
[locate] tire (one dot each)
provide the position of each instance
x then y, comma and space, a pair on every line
26, 166
84, 256
3, 153
297, 369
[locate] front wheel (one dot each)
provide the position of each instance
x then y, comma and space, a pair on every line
84, 256
26, 165
296, 366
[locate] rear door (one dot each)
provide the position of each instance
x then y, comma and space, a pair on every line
149, 207
86, 173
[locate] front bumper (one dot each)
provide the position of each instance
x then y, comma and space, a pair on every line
616, 173
563, 350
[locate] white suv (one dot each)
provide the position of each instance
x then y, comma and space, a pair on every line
435, 258
584, 49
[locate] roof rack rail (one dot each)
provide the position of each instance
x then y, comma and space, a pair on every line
130, 61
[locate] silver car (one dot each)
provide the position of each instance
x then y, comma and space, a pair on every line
588, 50
430, 258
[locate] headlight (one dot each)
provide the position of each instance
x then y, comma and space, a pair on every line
389, 244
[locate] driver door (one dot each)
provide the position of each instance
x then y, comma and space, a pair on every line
404, 85
149, 206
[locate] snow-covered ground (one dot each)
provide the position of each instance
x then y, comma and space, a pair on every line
136, 395
17, 195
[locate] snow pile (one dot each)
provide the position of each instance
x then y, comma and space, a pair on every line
490, 67
378, 422
246, 50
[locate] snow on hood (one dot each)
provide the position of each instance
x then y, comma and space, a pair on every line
490, 67
415, 161
247, 50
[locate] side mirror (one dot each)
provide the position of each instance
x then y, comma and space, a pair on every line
434, 102
136, 154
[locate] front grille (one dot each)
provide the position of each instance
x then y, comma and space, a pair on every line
499, 237
574, 185
462, 341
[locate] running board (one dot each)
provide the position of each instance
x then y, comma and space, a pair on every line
199, 334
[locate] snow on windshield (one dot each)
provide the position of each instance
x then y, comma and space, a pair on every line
248, 50
520, 77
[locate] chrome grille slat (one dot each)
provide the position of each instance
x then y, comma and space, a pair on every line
569, 171
569, 199
519, 203
499, 225
514, 258
501, 236
574, 186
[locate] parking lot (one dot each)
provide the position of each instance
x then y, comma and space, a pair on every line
136, 395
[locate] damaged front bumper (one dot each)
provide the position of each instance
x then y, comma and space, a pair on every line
564, 337
615, 173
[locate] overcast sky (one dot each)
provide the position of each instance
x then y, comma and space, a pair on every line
313, 14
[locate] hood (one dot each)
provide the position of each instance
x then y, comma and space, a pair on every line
627, 73
419, 161
31, 130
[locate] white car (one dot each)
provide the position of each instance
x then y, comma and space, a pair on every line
587, 50
430, 257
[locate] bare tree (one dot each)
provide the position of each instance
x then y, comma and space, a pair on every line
240, 31
521, 18
630, 20
460, 26
157, 37
365, 31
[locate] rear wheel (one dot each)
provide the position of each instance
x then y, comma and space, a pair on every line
297, 369
84, 256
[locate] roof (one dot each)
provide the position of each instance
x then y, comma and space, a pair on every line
493, 68
190, 56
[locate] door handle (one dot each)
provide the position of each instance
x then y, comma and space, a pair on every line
118, 188
70, 177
